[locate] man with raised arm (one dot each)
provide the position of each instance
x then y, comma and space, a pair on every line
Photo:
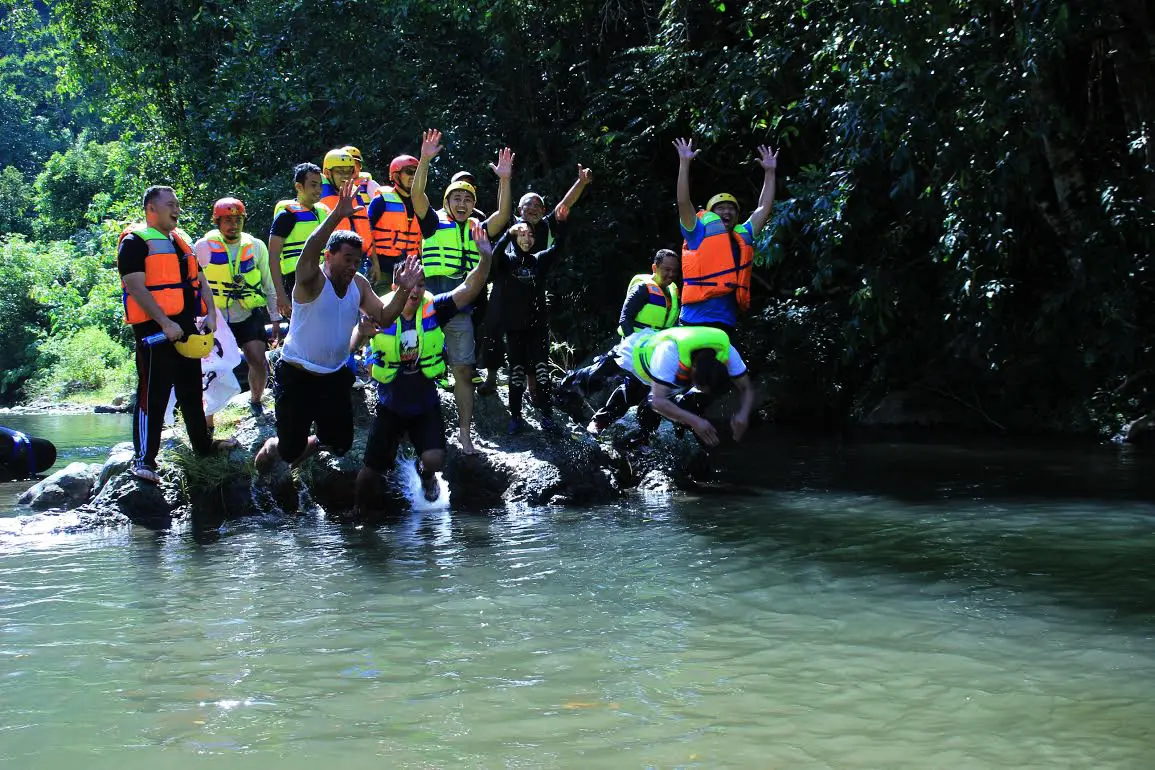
718, 253
448, 253
407, 356
547, 229
312, 383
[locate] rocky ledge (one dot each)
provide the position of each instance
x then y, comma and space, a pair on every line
566, 466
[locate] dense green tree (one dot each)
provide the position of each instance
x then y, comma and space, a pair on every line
965, 194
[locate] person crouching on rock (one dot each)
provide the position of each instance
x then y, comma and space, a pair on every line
407, 356
676, 365
312, 383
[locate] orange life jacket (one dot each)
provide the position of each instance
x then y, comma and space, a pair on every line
358, 222
164, 276
712, 270
396, 234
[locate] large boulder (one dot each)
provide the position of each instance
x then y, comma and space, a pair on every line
147, 505
69, 487
119, 460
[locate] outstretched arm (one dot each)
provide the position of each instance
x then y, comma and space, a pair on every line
741, 419
665, 406
309, 278
686, 154
430, 147
467, 292
768, 160
504, 170
585, 177
407, 275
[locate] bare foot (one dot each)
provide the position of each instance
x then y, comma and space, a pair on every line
312, 446
266, 456
466, 441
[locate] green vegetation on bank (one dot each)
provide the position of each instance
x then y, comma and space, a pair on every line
965, 188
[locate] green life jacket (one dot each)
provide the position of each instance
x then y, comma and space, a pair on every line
450, 251
688, 339
385, 347
308, 220
660, 311
234, 281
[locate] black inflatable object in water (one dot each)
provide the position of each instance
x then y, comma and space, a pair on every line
23, 456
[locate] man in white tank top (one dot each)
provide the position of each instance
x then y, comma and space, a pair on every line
312, 384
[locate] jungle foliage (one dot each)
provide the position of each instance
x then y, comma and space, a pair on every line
965, 188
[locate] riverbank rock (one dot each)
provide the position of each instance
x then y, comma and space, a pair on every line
563, 466
126, 497
69, 487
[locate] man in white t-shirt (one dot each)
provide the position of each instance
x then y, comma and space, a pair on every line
676, 364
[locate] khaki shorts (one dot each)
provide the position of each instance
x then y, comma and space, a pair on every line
460, 345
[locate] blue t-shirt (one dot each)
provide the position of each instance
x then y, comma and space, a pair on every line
722, 309
411, 392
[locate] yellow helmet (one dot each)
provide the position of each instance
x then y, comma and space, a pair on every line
721, 198
466, 186
355, 154
338, 159
195, 345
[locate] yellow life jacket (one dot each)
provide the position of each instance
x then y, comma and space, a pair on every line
238, 281
385, 347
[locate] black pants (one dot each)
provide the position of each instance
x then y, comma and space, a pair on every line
527, 355
305, 399
160, 370
630, 391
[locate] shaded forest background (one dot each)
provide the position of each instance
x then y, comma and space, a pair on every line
965, 188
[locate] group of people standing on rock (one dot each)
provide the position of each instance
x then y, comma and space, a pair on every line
352, 262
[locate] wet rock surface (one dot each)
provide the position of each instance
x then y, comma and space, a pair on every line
561, 466
68, 487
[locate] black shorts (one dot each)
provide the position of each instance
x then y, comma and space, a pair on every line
289, 280
252, 328
304, 398
426, 431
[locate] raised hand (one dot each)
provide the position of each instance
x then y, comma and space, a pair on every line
504, 167
767, 158
561, 212
431, 143
409, 273
686, 151
347, 203
481, 237
585, 176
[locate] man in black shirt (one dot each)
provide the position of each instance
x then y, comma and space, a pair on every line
164, 293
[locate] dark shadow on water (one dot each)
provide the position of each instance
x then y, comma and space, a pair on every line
1072, 523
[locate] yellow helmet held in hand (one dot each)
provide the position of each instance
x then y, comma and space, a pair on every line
721, 198
338, 159
195, 345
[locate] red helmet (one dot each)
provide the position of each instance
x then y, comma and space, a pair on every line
400, 162
228, 206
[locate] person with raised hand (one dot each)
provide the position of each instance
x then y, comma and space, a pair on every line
313, 386
407, 357
449, 252
718, 252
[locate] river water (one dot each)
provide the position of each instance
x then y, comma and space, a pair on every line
826, 606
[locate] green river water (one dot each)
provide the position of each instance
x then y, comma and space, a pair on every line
832, 605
